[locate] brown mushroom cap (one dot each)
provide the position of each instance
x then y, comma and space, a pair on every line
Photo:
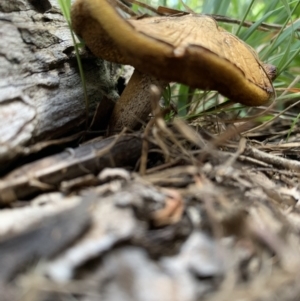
189, 49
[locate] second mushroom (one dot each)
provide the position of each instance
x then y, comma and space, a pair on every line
189, 49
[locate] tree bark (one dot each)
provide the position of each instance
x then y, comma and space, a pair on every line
41, 95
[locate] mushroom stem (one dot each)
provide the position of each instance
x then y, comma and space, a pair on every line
134, 105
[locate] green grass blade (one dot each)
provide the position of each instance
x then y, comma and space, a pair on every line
245, 16
182, 100
244, 36
65, 6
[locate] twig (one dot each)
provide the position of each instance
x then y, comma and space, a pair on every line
272, 159
144, 5
259, 127
162, 10
155, 111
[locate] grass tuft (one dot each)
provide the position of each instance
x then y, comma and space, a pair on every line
65, 6
278, 44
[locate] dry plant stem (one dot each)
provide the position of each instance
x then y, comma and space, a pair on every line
274, 160
240, 150
230, 133
279, 114
155, 111
134, 105
145, 148
189, 133
125, 8
144, 5
281, 146
255, 161
261, 126
165, 11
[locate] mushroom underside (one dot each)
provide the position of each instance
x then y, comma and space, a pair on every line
203, 69
188, 49
134, 105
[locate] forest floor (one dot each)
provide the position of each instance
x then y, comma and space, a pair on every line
207, 211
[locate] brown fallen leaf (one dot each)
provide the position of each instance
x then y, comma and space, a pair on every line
173, 210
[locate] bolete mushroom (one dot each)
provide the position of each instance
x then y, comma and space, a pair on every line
189, 49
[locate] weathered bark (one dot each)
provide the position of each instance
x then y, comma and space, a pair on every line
48, 173
41, 95
38, 241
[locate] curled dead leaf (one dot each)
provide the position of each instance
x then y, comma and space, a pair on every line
173, 210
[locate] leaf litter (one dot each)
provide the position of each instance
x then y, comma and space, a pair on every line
214, 217
207, 211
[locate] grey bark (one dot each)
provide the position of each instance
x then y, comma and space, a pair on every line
41, 95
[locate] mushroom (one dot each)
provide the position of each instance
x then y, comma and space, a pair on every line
189, 49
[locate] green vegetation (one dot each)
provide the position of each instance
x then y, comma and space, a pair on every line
278, 44
273, 31
65, 6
